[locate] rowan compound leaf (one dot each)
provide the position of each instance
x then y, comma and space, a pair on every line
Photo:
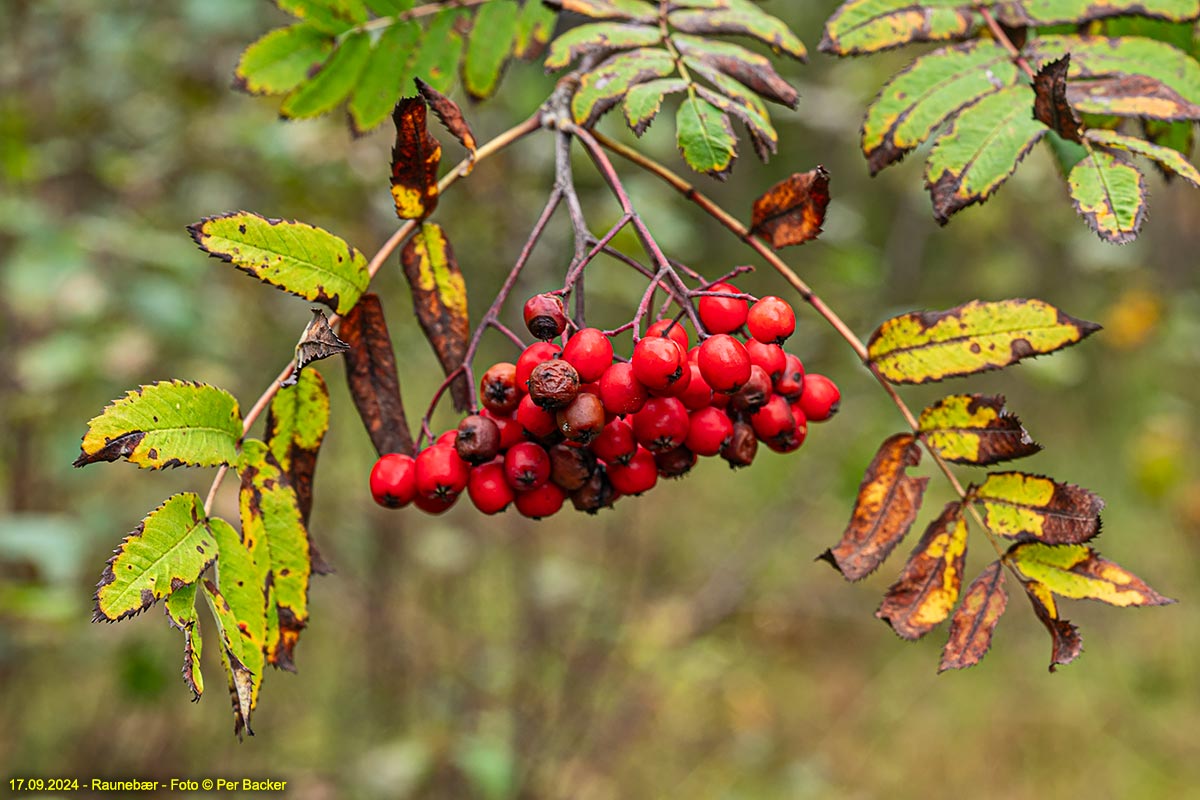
333, 83
793, 210
1031, 507
599, 37
449, 114
1058, 12
1065, 643
239, 585
274, 534
925, 346
644, 101
489, 47
1110, 195
1078, 572
886, 507
438, 59
739, 18
440, 300
169, 549
975, 620
975, 429
705, 137
1171, 160
166, 424
867, 26
1050, 106
534, 29
750, 69
282, 60
415, 159
980, 149
603, 87
181, 612
293, 256
242, 679
374, 382
927, 589
917, 100
635, 10
384, 77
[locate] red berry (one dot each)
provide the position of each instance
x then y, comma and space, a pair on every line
583, 420
533, 355
708, 431
447, 438
821, 398
511, 431
478, 439
658, 361
639, 475
590, 352
620, 390
526, 466
441, 473
394, 480
661, 425
697, 394
545, 316
791, 383
498, 388
537, 422
724, 363
615, 443
544, 501
675, 463
771, 320
756, 391
774, 424
679, 387
671, 329
434, 504
768, 356
722, 314
488, 489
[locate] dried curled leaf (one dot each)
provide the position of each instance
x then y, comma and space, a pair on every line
415, 159
181, 612
975, 620
926, 591
1034, 508
1065, 642
450, 115
372, 377
975, 429
886, 507
1050, 106
793, 210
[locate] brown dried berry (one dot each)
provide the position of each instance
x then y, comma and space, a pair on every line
675, 463
478, 439
594, 495
754, 393
498, 388
553, 384
570, 466
742, 446
584, 419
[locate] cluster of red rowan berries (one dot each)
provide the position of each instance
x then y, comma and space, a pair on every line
572, 423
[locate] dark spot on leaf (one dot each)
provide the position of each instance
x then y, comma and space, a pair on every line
121, 447
199, 549
176, 583
1021, 348
242, 228
975, 347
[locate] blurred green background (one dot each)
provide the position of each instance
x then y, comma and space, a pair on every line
681, 645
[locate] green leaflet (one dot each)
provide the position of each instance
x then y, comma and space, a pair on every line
1129, 76
535, 26
181, 611
1056, 12
980, 149
1078, 572
705, 137
333, 83
752, 70
603, 87
1168, 158
437, 64
866, 26
1110, 195
740, 18
282, 59
492, 36
597, 37
1032, 507
762, 133
927, 346
167, 551
293, 256
238, 582
612, 9
913, 103
166, 424
387, 8
298, 418
644, 101
975, 429
242, 681
385, 77
322, 14
273, 533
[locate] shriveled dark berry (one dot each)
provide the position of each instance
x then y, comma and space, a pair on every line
742, 446
570, 466
754, 393
594, 495
553, 384
478, 439
675, 463
584, 419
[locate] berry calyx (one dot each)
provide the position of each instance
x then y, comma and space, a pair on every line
434, 504
724, 363
526, 466
488, 489
545, 316
394, 480
590, 352
771, 320
722, 314
658, 361
820, 399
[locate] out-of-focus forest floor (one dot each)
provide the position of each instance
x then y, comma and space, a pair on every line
684, 644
